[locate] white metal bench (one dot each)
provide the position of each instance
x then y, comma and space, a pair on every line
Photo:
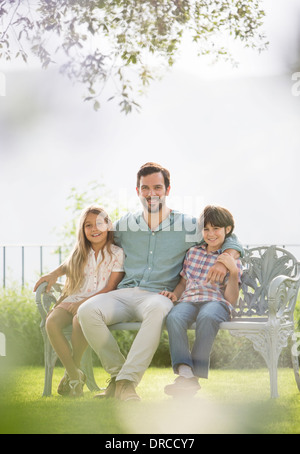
264, 313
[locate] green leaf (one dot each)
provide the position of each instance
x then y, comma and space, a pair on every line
96, 105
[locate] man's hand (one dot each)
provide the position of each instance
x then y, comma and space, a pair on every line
229, 262
216, 274
51, 278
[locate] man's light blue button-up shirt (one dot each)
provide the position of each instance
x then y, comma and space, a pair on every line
153, 259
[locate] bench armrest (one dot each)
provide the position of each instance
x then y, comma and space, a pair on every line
45, 300
282, 297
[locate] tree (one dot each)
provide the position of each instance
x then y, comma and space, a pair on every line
111, 43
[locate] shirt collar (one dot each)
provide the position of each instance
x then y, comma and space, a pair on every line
165, 223
92, 253
203, 246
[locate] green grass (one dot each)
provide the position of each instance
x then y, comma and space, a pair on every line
231, 401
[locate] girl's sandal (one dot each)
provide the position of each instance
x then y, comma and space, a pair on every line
76, 386
63, 387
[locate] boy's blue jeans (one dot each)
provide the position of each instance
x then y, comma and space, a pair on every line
208, 317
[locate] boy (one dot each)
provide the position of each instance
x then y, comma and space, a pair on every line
202, 302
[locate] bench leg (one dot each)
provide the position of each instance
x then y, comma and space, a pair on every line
269, 342
277, 338
272, 363
295, 358
50, 359
87, 367
261, 343
48, 381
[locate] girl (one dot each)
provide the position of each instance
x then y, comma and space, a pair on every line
95, 266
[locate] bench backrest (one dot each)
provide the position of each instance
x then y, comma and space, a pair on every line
260, 266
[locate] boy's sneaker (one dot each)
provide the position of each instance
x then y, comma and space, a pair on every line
183, 387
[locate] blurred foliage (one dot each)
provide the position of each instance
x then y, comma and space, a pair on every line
128, 43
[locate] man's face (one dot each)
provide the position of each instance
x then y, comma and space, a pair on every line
152, 192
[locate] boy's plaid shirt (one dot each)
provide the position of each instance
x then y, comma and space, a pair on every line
196, 265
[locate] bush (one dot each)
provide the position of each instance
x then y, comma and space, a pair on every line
20, 322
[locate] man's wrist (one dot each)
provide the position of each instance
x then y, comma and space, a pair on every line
234, 274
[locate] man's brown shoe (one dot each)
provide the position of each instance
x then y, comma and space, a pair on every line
125, 390
109, 391
183, 387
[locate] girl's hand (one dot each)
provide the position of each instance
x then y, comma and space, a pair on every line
74, 307
50, 278
170, 295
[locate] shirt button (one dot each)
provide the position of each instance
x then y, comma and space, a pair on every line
153, 233
151, 252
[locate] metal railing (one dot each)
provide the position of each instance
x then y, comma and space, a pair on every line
37, 265
293, 248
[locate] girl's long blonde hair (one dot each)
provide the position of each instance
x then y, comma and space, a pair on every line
75, 263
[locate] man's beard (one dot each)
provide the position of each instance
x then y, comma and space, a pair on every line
154, 208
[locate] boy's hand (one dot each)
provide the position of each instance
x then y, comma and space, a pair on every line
170, 295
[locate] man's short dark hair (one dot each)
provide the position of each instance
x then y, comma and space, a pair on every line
152, 167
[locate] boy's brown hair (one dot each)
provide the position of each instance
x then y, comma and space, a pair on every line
217, 217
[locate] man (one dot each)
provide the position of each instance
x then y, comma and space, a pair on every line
154, 241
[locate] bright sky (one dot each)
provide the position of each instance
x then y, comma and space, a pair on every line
229, 138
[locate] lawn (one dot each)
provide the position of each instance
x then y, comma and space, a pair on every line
231, 401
